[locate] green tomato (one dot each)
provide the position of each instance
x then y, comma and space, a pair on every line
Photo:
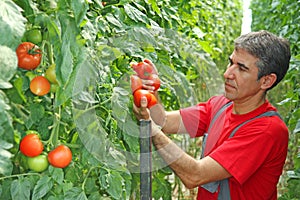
34, 36
53, 87
50, 74
38, 163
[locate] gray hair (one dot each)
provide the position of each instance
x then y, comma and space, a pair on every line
273, 52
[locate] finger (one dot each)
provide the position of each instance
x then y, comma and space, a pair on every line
148, 85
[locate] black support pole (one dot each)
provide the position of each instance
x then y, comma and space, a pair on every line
145, 160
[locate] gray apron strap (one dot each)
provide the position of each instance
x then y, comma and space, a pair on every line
265, 114
224, 193
216, 116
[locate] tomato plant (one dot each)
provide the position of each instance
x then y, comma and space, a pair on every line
29, 56
151, 99
31, 145
34, 35
50, 74
40, 86
92, 46
60, 157
38, 163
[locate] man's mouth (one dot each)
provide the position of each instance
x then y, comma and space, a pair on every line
229, 86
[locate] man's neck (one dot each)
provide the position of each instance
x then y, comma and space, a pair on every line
248, 105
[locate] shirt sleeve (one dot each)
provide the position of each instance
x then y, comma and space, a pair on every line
196, 119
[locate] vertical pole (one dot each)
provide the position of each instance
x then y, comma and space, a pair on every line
145, 160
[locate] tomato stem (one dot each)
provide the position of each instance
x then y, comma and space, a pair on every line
34, 50
53, 139
73, 146
50, 53
86, 177
49, 49
18, 175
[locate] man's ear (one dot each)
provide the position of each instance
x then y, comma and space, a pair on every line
268, 80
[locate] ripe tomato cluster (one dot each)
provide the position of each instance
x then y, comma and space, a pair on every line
144, 71
37, 160
29, 58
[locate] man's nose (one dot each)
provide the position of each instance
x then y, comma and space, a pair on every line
229, 73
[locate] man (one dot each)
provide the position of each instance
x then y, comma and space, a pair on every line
245, 163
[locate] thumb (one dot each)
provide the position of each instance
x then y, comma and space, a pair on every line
144, 102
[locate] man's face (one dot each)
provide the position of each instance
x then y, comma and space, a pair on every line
240, 76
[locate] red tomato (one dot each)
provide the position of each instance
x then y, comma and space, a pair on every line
31, 145
156, 81
144, 69
29, 56
138, 94
154, 70
60, 157
135, 83
39, 85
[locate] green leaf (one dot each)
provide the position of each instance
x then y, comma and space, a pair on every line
154, 6
6, 127
37, 111
12, 23
79, 7
19, 86
297, 128
111, 19
75, 193
120, 103
57, 174
43, 186
3, 102
109, 179
135, 14
6, 165
20, 189
8, 66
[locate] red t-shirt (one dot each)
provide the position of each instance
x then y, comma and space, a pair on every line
254, 156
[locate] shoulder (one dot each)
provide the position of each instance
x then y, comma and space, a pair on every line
210, 107
266, 128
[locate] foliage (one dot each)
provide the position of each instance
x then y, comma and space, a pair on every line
92, 44
282, 18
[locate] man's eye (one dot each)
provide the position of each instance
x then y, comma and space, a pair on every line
242, 68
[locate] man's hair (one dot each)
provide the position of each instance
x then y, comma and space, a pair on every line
273, 52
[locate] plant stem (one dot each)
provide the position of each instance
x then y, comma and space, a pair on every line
18, 175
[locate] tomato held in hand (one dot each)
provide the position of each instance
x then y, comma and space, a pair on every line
29, 56
31, 145
147, 71
144, 69
38, 163
156, 81
60, 157
40, 86
135, 83
151, 99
